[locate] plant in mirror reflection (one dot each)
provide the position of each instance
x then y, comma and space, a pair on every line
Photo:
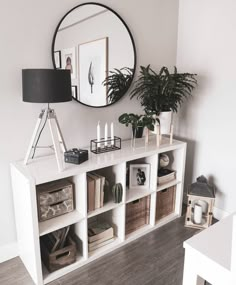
118, 82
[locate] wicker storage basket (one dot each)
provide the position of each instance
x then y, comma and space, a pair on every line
165, 204
137, 214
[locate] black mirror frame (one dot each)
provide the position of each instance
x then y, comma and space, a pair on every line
128, 30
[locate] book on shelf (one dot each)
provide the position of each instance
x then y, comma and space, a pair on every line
103, 180
102, 187
165, 175
97, 181
90, 194
95, 188
100, 231
93, 246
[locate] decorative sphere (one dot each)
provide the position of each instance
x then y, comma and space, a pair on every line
164, 160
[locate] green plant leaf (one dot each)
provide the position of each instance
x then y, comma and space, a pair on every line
164, 90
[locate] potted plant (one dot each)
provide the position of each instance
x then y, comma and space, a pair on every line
163, 91
138, 122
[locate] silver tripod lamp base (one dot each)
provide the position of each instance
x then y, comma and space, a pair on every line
48, 115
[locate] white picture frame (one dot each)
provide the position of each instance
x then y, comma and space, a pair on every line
92, 70
57, 58
68, 61
139, 176
74, 92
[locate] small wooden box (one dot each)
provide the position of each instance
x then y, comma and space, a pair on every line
54, 199
137, 214
60, 258
165, 204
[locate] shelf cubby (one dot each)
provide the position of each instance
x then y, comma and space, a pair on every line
77, 215
51, 276
165, 202
113, 174
78, 236
152, 161
115, 218
137, 214
176, 162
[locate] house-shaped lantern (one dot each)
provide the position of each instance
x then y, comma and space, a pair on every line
201, 198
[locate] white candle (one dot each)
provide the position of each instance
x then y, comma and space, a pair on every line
105, 136
98, 134
112, 133
197, 217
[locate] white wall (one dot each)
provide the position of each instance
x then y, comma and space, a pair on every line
26, 31
207, 46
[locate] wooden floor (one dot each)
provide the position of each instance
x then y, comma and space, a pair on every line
156, 258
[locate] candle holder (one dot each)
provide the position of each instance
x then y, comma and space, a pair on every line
103, 145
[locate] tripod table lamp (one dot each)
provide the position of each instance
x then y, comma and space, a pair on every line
46, 86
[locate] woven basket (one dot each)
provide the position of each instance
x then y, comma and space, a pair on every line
165, 204
137, 214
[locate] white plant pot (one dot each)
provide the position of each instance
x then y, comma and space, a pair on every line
165, 122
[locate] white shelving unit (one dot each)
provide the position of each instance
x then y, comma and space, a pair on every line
113, 166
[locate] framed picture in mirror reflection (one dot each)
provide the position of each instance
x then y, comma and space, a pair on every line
74, 91
57, 56
93, 66
68, 59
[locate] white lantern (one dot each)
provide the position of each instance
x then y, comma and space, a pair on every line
201, 198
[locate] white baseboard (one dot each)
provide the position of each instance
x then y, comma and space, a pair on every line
8, 251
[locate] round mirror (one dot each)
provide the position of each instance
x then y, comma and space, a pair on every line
96, 45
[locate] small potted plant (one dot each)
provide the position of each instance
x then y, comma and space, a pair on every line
138, 122
162, 92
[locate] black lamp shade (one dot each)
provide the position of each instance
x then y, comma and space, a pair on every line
46, 85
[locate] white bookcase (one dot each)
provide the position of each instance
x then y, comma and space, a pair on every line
113, 165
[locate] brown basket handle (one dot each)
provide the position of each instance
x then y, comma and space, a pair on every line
67, 253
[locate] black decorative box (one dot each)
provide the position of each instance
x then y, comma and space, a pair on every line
76, 156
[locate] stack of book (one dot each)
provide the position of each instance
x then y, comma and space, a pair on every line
99, 234
165, 175
95, 191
